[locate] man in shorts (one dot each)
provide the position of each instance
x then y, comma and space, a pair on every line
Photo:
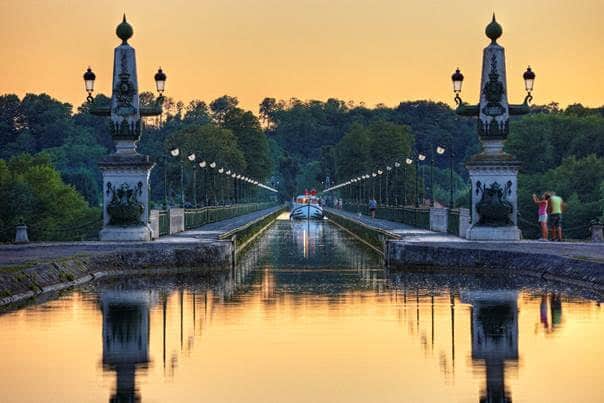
555, 216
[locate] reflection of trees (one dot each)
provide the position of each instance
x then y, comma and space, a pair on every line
125, 339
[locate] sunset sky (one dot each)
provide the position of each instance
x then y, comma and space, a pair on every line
368, 51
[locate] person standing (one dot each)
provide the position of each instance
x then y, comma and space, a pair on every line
555, 216
542, 212
372, 207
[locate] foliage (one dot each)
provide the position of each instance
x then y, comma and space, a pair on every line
305, 129
578, 182
211, 144
543, 141
32, 190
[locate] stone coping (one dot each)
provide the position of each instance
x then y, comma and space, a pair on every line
580, 264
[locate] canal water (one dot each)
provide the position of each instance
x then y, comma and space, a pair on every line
309, 315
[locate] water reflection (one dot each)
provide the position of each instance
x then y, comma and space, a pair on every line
309, 318
125, 340
494, 338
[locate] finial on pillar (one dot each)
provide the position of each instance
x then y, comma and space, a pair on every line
493, 30
124, 31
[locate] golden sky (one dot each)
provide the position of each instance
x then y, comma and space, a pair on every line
363, 50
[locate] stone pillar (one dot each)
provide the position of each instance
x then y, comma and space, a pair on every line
154, 223
596, 232
21, 234
494, 209
493, 172
125, 197
438, 219
125, 172
177, 220
464, 222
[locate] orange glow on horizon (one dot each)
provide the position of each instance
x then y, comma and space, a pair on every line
379, 51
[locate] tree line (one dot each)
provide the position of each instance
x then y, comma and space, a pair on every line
294, 143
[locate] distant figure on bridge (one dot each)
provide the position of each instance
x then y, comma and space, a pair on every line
372, 207
542, 212
555, 206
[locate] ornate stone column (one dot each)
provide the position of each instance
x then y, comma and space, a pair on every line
493, 172
125, 172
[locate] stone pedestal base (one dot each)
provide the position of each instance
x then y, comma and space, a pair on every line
134, 233
126, 188
486, 233
21, 234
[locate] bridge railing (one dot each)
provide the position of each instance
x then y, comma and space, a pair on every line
453, 221
164, 222
414, 216
197, 217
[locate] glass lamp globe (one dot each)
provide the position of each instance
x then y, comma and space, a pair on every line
457, 79
160, 81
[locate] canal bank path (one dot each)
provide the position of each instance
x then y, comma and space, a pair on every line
29, 270
579, 263
40, 251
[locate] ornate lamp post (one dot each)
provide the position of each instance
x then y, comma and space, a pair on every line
125, 172
441, 150
395, 193
203, 166
420, 157
221, 171
388, 169
191, 158
175, 152
408, 162
493, 173
214, 193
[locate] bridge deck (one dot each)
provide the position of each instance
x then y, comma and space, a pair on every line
398, 229
43, 251
587, 251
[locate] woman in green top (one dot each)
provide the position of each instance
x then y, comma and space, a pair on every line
555, 216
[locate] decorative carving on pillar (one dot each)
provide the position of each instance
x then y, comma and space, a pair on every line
494, 208
125, 209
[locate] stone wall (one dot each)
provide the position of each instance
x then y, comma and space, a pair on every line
472, 256
27, 281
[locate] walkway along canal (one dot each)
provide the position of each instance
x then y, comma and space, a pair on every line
409, 248
30, 270
308, 314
